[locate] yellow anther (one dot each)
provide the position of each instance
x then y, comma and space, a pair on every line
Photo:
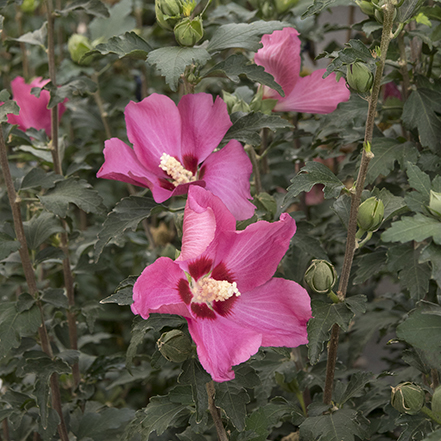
209, 290
175, 170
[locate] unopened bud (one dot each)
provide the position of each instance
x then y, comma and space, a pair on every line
188, 32
168, 13
370, 214
435, 203
366, 7
175, 346
78, 45
407, 398
321, 276
283, 5
359, 77
379, 13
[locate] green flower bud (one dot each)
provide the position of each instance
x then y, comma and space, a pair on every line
283, 5
435, 203
175, 346
407, 398
321, 276
29, 6
78, 45
359, 77
370, 214
168, 13
366, 7
188, 32
235, 104
436, 401
379, 14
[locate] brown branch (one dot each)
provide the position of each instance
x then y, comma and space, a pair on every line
215, 412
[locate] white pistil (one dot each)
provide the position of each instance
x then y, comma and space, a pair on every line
175, 170
209, 290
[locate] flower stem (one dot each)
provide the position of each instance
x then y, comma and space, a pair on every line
99, 103
356, 197
215, 412
432, 415
255, 162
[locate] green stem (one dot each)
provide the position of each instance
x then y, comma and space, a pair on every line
432, 415
352, 226
256, 170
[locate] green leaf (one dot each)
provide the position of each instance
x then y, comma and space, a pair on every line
40, 228
233, 400
193, 374
37, 37
75, 191
357, 303
55, 297
369, 265
325, 315
386, 151
408, 9
308, 242
416, 228
315, 173
316, 7
15, 324
393, 205
37, 177
355, 387
190, 435
432, 253
8, 245
419, 180
242, 35
78, 86
172, 61
419, 112
342, 208
238, 64
247, 128
434, 436
49, 253
130, 44
127, 214
422, 330
341, 425
93, 7
7, 107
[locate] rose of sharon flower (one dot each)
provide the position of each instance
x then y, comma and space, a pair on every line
280, 56
33, 111
222, 284
173, 150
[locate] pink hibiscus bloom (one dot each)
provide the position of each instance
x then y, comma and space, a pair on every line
222, 284
280, 56
173, 150
33, 111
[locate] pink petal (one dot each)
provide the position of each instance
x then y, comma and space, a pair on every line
227, 175
280, 56
154, 128
204, 215
204, 124
222, 344
121, 164
251, 256
157, 290
313, 94
279, 310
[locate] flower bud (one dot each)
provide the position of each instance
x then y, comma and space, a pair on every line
78, 45
321, 276
188, 32
234, 103
175, 346
379, 13
407, 398
29, 6
283, 5
168, 13
366, 7
359, 77
436, 401
370, 214
435, 203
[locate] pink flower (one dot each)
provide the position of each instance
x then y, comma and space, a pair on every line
33, 111
280, 56
222, 284
173, 150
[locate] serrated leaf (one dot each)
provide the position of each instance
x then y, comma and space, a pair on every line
72, 191
386, 151
93, 7
242, 35
369, 265
172, 61
233, 400
315, 173
8, 245
40, 228
49, 253
355, 387
316, 7
434, 436
392, 204
130, 44
55, 297
238, 64
419, 112
308, 242
37, 37
419, 180
74, 88
325, 315
190, 435
247, 128
127, 214
422, 331
357, 303
193, 374
418, 228
432, 253
7, 107
15, 324
408, 9
37, 177
122, 297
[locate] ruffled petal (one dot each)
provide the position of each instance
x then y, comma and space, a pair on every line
279, 310
222, 344
314, 94
250, 257
121, 164
280, 56
204, 215
157, 289
227, 175
154, 128
204, 124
